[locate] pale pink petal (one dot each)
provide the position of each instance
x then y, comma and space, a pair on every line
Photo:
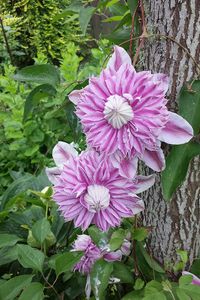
162, 80
138, 207
177, 130
62, 152
119, 57
154, 159
75, 96
127, 166
53, 174
143, 183
113, 256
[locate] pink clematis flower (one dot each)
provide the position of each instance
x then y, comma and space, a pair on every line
195, 279
124, 113
91, 253
90, 190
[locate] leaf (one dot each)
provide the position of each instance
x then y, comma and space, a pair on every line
113, 19
111, 3
177, 163
151, 262
30, 257
99, 237
189, 105
7, 255
39, 74
85, 15
100, 275
34, 291
22, 184
186, 288
132, 4
179, 158
116, 239
140, 234
41, 229
183, 254
121, 271
154, 290
8, 240
139, 284
134, 295
66, 261
11, 288
38, 93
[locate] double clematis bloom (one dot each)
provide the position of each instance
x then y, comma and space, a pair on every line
90, 190
124, 114
92, 253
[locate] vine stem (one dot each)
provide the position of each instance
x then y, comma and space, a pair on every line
6, 41
166, 37
132, 32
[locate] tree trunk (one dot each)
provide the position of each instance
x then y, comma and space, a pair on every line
176, 225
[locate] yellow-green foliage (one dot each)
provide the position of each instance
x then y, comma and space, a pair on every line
35, 27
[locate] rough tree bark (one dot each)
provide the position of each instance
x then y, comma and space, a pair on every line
175, 225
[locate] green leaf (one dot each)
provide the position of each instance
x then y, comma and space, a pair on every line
34, 291
8, 240
99, 237
139, 284
177, 163
38, 93
85, 15
132, 4
7, 255
189, 105
111, 3
39, 74
140, 234
154, 290
121, 271
151, 262
41, 229
179, 158
186, 288
181, 294
113, 19
100, 275
183, 254
66, 261
30, 257
116, 239
11, 288
134, 295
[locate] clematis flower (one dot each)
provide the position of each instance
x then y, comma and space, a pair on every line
195, 279
90, 190
91, 253
124, 113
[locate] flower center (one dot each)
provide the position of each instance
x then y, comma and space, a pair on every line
117, 111
97, 197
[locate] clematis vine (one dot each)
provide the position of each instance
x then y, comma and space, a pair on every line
124, 113
92, 253
90, 190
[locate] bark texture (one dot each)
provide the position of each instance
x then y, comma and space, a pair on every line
175, 225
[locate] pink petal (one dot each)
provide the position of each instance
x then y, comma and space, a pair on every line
62, 152
177, 130
113, 256
138, 207
128, 167
52, 174
154, 159
75, 96
143, 183
119, 57
162, 80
